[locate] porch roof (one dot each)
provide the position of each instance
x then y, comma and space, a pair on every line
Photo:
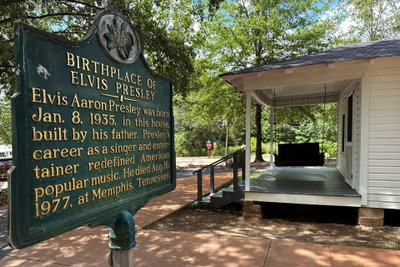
311, 79
369, 50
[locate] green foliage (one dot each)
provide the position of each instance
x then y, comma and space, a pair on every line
237, 34
316, 123
220, 150
192, 42
330, 148
257, 32
264, 146
285, 134
165, 31
5, 122
373, 19
196, 118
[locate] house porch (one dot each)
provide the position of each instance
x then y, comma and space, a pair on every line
302, 185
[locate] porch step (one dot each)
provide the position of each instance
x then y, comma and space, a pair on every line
223, 197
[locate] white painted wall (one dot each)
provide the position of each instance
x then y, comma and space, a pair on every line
384, 134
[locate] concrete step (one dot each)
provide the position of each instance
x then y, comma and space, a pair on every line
226, 196
223, 197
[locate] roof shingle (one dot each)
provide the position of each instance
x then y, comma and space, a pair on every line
377, 49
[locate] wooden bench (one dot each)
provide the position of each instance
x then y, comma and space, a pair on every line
305, 154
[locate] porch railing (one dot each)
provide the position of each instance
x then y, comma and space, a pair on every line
238, 161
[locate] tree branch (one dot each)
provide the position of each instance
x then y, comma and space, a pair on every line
5, 20
57, 14
5, 2
83, 3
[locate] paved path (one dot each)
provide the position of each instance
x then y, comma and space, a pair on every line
184, 162
88, 247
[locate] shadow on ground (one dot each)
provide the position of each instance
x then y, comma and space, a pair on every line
321, 225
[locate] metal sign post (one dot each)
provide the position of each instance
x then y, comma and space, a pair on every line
122, 240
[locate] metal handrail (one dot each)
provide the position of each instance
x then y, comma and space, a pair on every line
211, 166
225, 158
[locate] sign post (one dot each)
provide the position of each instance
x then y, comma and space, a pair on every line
92, 133
122, 240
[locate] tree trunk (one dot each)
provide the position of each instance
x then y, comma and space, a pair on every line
259, 157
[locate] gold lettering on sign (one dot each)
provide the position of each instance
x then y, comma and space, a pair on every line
56, 134
53, 170
41, 96
86, 80
91, 73
45, 154
46, 117
105, 144
96, 67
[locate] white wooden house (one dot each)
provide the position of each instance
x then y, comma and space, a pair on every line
364, 79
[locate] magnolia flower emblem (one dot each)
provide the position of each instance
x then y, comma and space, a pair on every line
119, 38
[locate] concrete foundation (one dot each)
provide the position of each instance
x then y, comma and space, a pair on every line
371, 217
251, 210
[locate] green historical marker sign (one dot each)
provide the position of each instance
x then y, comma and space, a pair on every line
92, 130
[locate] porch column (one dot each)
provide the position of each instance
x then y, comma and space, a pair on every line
248, 142
271, 137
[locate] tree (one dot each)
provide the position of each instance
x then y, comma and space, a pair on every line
197, 114
162, 29
373, 19
246, 33
5, 122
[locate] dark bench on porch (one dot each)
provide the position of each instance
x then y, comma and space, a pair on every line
306, 154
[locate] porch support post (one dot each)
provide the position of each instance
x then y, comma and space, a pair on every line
364, 137
271, 137
248, 146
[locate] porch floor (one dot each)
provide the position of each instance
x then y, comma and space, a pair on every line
302, 185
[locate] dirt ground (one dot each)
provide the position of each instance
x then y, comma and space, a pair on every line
290, 223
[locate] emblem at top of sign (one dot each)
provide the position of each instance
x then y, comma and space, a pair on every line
118, 38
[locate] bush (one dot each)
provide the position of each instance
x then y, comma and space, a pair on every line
264, 147
190, 151
185, 148
330, 148
220, 150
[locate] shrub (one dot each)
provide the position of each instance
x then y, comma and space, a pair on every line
264, 147
330, 148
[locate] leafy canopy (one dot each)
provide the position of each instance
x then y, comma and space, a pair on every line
164, 29
372, 20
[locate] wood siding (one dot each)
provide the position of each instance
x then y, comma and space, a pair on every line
384, 135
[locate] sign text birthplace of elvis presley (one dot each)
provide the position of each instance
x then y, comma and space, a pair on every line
92, 130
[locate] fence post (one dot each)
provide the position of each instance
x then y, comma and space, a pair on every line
243, 161
235, 173
211, 180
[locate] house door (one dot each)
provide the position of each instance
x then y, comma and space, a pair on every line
349, 141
